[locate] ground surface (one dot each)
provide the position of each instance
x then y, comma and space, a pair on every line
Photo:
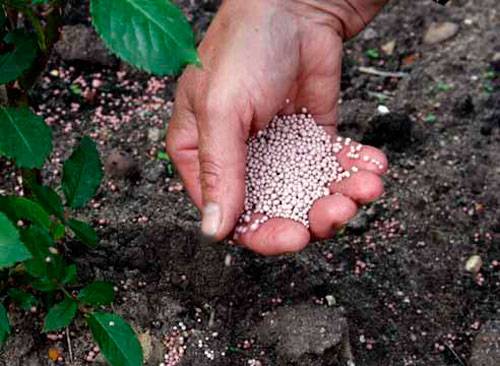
396, 274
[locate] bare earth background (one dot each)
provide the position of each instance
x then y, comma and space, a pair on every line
391, 287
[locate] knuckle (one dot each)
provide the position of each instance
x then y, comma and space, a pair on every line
172, 146
210, 173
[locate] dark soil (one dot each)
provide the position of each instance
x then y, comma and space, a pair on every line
397, 271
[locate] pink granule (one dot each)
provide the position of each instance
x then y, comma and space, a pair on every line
290, 165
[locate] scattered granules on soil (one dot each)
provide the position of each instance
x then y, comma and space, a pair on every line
291, 164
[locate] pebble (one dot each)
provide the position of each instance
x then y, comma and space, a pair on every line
369, 33
330, 300
382, 109
440, 32
474, 264
389, 47
154, 134
154, 170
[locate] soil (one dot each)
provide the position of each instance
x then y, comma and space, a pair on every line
396, 272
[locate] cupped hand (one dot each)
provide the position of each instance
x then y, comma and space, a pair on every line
262, 58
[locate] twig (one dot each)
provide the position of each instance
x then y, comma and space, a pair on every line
70, 349
380, 96
387, 74
459, 359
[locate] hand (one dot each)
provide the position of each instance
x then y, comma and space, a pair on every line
257, 54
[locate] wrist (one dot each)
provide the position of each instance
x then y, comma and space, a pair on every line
346, 17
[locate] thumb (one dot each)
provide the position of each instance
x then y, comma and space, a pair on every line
222, 157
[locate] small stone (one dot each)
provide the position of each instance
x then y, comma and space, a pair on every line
369, 33
154, 170
389, 47
473, 264
175, 187
154, 134
382, 109
54, 353
440, 32
330, 300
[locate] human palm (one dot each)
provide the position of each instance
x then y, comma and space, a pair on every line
256, 64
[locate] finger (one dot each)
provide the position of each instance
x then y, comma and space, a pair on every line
276, 236
363, 157
222, 156
182, 148
362, 187
331, 213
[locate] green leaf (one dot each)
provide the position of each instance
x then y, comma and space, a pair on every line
60, 315
153, 35
162, 155
4, 324
84, 232
12, 250
45, 265
430, 118
70, 276
116, 339
20, 208
25, 300
82, 174
443, 87
25, 137
57, 230
14, 63
75, 89
372, 53
48, 199
97, 293
44, 285
16, 4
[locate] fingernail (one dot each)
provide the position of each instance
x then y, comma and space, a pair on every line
211, 219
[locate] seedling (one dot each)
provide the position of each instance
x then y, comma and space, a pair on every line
162, 155
443, 87
430, 118
372, 54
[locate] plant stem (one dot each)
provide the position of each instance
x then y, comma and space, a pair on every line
66, 293
37, 25
51, 35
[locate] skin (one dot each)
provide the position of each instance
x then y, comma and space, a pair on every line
256, 55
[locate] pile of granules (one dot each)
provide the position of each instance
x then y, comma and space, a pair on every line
291, 164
